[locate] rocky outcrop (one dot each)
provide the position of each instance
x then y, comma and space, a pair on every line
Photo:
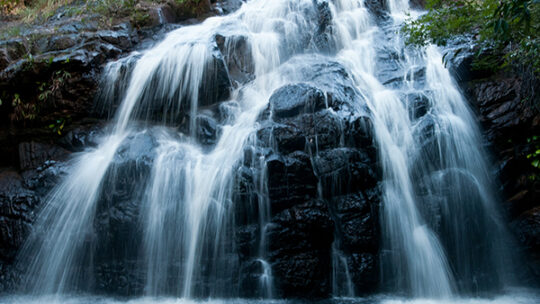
323, 186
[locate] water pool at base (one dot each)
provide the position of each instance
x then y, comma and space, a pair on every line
521, 296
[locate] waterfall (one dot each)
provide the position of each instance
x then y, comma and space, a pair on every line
422, 159
442, 234
186, 203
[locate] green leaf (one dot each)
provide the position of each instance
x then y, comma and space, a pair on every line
536, 163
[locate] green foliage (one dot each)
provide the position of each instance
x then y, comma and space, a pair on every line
22, 110
58, 125
49, 89
534, 156
28, 108
509, 28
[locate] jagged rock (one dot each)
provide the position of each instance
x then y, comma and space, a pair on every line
323, 36
236, 52
216, 85
292, 100
82, 137
418, 105
333, 79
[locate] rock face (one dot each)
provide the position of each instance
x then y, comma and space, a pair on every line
509, 109
20, 195
323, 187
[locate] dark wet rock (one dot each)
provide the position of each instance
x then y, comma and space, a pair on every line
417, 77
117, 221
292, 100
17, 204
208, 130
333, 79
359, 133
237, 55
216, 84
527, 229
82, 137
250, 279
323, 38
120, 39
186, 10
427, 131
14, 48
365, 272
345, 170
418, 105
320, 151
62, 42
377, 7
358, 220
247, 239
228, 6
501, 106
291, 180
121, 279
319, 131
45, 177
32, 154
300, 240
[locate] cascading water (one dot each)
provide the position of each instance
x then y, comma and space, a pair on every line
185, 196
423, 158
186, 204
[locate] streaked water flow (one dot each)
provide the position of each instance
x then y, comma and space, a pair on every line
186, 216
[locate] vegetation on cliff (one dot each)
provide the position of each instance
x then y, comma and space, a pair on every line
507, 31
